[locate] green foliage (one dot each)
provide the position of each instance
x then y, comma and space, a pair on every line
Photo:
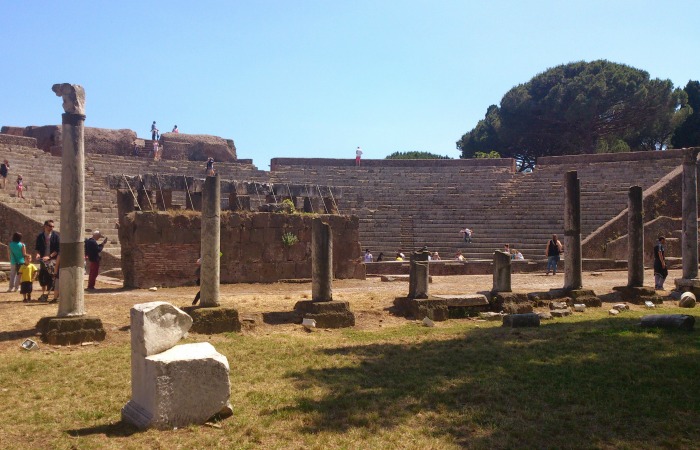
490, 155
416, 155
290, 205
580, 107
688, 132
289, 239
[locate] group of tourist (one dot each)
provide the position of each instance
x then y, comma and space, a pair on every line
48, 255
19, 182
155, 137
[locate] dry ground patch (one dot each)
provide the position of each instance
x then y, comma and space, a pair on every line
580, 382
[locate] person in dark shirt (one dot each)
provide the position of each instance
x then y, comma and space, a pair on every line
4, 170
48, 246
553, 252
92, 252
660, 269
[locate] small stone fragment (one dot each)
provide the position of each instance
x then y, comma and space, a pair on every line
621, 307
560, 312
613, 312
580, 307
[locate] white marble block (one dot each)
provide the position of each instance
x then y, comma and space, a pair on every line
172, 385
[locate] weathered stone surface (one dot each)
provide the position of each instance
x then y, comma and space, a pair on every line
198, 147
327, 314
687, 300
185, 385
463, 299
73, 97
490, 315
213, 320
545, 315
501, 272
517, 308
70, 330
558, 305
673, 321
521, 320
580, 307
560, 312
621, 307
637, 295
498, 299
156, 327
613, 312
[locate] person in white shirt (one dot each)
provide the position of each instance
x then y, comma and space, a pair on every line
368, 256
358, 156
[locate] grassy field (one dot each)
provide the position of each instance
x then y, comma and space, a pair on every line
587, 381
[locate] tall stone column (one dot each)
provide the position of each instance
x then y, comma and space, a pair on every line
501, 271
210, 242
419, 274
321, 261
635, 238
689, 244
71, 266
573, 278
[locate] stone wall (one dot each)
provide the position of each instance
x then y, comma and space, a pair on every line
10, 139
161, 248
426, 164
197, 147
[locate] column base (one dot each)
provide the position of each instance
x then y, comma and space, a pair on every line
70, 330
213, 320
688, 285
637, 295
330, 314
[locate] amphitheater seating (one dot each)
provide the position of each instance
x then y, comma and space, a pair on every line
399, 207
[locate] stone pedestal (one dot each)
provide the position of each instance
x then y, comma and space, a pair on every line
331, 314
443, 307
172, 385
419, 275
210, 242
637, 295
213, 320
573, 278
70, 330
501, 272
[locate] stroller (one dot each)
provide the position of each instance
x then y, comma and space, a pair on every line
47, 277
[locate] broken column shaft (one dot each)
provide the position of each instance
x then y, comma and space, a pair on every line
210, 242
635, 238
573, 278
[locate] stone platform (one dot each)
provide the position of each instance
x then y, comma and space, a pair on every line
213, 320
443, 307
70, 330
328, 314
637, 295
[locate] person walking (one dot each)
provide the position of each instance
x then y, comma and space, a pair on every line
92, 251
553, 252
660, 269
154, 131
18, 254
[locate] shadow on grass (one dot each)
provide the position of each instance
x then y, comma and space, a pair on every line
595, 383
14, 335
119, 429
281, 317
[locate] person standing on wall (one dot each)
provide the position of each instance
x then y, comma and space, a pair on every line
92, 251
154, 131
358, 156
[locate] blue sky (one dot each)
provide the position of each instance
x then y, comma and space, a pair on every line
312, 78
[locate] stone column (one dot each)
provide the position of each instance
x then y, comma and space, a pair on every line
321, 261
635, 238
419, 274
573, 278
501, 271
71, 269
210, 238
689, 244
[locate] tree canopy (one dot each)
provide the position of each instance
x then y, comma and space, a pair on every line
580, 107
416, 155
688, 133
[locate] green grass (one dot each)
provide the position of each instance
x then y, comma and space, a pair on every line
587, 381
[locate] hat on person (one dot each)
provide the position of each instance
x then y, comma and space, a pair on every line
96, 234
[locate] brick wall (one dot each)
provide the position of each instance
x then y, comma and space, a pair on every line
161, 248
279, 163
10, 139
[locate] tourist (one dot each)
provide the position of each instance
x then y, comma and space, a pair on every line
368, 256
27, 274
175, 130
92, 252
358, 156
135, 150
516, 255
4, 170
660, 269
18, 254
552, 252
399, 256
48, 245
506, 248
210, 167
459, 256
436, 256
154, 131
466, 234
20, 186
380, 257
156, 151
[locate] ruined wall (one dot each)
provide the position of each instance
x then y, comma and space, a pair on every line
161, 248
9, 139
661, 226
197, 147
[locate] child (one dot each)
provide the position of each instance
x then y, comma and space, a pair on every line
20, 186
27, 273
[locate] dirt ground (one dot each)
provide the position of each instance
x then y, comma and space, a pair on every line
265, 306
